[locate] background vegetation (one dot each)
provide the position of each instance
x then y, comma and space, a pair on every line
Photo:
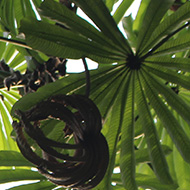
141, 86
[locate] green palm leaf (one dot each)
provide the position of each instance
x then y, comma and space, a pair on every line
169, 25
181, 43
63, 43
8, 175
13, 158
160, 165
175, 101
114, 128
120, 12
127, 160
6, 121
75, 23
146, 181
174, 129
134, 96
155, 12
98, 12
170, 76
42, 185
179, 63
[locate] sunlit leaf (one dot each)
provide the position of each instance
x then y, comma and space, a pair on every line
42, 185
154, 13
127, 160
128, 27
169, 25
178, 63
98, 12
173, 127
13, 158
18, 175
68, 18
120, 12
179, 44
160, 165
54, 40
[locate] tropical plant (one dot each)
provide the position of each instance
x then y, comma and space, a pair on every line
141, 86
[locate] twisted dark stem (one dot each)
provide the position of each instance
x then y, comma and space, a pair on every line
87, 77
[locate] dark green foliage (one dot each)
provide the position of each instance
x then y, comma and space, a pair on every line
143, 97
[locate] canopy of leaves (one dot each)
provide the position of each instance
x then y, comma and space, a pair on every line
141, 86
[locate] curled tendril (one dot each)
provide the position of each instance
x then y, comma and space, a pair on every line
87, 166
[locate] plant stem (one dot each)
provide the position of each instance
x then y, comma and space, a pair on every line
14, 42
87, 77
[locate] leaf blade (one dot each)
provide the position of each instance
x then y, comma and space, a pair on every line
13, 158
127, 158
177, 63
68, 18
98, 12
172, 126
54, 40
120, 12
175, 101
179, 44
155, 151
169, 25
169, 75
154, 13
112, 135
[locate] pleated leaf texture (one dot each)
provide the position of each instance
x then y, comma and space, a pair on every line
141, 86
